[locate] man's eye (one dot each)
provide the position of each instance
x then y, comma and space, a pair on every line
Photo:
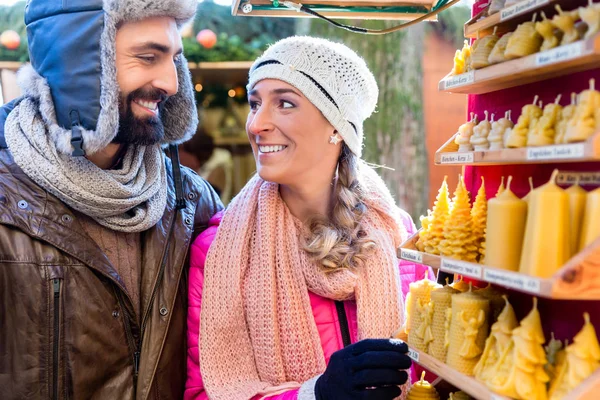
147, 58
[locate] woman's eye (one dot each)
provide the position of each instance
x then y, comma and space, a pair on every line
253, 105
286, 104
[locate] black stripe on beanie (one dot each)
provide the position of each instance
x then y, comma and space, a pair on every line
321, 88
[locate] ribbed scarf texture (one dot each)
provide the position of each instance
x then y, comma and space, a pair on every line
258, 334
129, 199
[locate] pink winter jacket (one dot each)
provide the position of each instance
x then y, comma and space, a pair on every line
324, 310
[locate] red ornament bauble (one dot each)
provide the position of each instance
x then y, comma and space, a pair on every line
10, 39
206, 38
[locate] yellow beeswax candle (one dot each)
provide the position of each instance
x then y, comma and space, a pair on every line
591, 219
506, 218
422, 390
460, 284
479, 216
442, 301
577, 199
468, 331
419, 314
519, 372
546, 245
433, 225
459, 396
459, 242
497, 342
582, 359
552, 354
496, 298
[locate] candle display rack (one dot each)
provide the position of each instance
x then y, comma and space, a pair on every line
560, 61
588, 390
507, 19
569, 152
578, 279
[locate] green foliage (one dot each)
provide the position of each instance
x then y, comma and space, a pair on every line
451, 23
13, 18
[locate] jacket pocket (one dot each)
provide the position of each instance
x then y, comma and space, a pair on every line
56, 289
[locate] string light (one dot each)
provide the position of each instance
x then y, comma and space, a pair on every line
198, 87
231, 93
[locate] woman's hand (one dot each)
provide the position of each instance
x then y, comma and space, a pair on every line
366, 370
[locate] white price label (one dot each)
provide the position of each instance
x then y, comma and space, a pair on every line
411, 255
461, 268
414, 355
520, 8
459, 80
457, 158
583, 178
562, 53
513, 280
560, 151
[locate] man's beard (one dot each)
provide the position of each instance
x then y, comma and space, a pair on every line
140, 131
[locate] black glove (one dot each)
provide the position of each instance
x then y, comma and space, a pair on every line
367, 370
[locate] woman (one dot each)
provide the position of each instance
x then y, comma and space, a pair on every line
304, 260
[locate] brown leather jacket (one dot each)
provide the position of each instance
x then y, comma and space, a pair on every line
68, 329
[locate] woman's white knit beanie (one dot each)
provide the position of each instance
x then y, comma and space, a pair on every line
332, 76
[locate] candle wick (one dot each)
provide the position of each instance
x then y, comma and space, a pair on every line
508, 182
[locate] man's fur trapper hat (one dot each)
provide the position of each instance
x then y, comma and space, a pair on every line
73, 72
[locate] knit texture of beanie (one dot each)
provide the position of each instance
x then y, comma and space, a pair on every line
331, 76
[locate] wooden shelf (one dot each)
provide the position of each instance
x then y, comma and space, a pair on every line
465, 383
12, 65
507, 19
353, 9
226, 72
571, 152
564, 60
587, 390
578, 279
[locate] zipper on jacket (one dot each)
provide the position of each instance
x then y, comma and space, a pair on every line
341, 311
55, 347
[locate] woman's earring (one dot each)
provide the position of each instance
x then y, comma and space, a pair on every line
335, 138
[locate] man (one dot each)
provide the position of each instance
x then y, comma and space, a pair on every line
95, 222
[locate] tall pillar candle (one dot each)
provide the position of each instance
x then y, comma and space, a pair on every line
546, 245
442, 302
468, 330
577, 199
591, 219
505, 229
419, 314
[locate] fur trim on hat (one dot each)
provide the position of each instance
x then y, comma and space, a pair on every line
179, 116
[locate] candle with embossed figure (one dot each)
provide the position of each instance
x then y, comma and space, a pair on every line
468, 331
506, 218
442, 302
419, 312
546, 246
591, 219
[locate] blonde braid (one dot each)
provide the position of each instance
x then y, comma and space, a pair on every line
339, 241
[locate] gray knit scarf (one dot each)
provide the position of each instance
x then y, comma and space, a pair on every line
129, 199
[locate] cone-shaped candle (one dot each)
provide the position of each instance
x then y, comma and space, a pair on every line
459, 242
506, 218
582, 359
479, 216
431, 236
496, 344
521, 374
546, 245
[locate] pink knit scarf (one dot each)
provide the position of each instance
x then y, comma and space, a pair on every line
258, 333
